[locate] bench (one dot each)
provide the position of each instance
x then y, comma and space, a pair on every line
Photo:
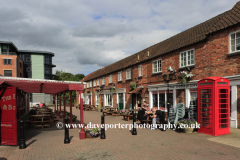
116, 113
45, 123
126, 117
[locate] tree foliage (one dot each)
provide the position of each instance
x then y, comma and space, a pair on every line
65, 76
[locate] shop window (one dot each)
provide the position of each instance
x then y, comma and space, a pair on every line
187, 58
155, 99
108, 100
97, 102
161, 100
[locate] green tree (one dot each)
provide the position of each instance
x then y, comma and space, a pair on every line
65, 76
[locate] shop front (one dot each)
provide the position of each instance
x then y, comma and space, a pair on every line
177, 93
188, 95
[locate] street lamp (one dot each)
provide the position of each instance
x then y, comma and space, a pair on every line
168, 78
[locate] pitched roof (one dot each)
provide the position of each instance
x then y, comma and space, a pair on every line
185, 38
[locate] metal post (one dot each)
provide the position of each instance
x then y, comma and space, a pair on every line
103, 136
134, 132
64, 103
55, 96
82, 133
22, 144
168, 99
66, 139
70, 93
60, 114
57, 104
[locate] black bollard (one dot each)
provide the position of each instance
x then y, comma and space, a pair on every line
103, 136
134, 132
163, 120
66, 139
22, 144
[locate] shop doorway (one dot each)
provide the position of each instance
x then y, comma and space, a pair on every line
120, 101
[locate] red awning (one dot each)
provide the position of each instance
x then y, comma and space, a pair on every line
41, 86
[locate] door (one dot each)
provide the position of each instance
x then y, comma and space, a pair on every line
89, 98
8, 116
206, 110
223, 112
120, 101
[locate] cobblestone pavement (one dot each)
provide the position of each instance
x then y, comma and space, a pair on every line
48, 143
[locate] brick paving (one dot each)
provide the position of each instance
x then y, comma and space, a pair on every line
120, 144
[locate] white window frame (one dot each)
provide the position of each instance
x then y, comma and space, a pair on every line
120, 76
90, 84
159, 68
140, 71
94, 83
98, 82
235, 42
106, 96
187, 58
103, 81
97, 99
110, 79
87, 84
129, 76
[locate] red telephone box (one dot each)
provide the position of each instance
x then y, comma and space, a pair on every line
8, 116
214, 106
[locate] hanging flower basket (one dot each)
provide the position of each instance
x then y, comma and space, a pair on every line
184, 77
133, 85
112, 89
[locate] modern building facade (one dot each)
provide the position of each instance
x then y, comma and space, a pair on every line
11, 65
209, 49
27, 64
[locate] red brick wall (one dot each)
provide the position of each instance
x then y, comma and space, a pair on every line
8, 67
211, 59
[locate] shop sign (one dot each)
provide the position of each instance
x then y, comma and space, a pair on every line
184, 86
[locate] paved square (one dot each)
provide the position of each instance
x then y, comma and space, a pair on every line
120, 144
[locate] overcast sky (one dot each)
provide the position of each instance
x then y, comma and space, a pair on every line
86, 35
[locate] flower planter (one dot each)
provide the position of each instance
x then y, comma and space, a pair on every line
88, 135
188, 130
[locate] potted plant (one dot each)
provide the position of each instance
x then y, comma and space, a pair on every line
185, 76
187, 125
112, 89
133, 85
92, 132
124, 112
99, 108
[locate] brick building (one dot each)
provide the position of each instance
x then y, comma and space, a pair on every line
10, 63
211, 48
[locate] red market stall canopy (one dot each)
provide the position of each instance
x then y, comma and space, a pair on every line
40, 85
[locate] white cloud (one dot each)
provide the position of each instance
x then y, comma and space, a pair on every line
87, 35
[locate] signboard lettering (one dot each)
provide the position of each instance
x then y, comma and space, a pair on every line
6, 125
6, 98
